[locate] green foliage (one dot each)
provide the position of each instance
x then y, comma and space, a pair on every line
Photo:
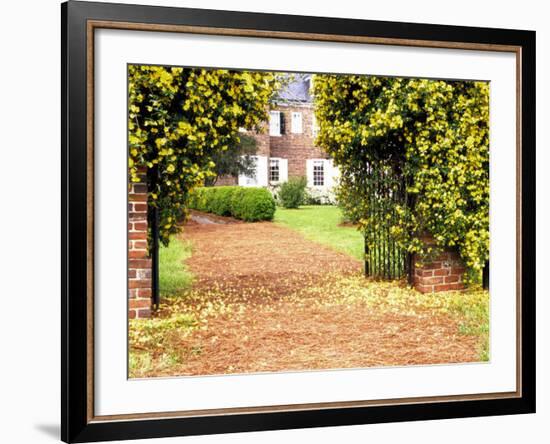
433, 133
253, 204
220, 202
179, 119
349, 202
215, 200
234, 161
322, 224
248, 204
292, 192
174, 275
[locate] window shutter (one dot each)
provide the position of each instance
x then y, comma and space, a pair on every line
274, 123
309, 172
283, 170
262, 171
296, 124
328, 173
282, 122
247, 181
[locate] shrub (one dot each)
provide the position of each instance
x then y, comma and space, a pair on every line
249, 204
220, 202
236, 199
292, 193
350, 204
197, 199
253, 204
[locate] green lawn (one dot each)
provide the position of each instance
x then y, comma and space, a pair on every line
173, 273
320, 223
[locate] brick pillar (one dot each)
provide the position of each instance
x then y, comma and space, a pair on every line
444, 273
139, 264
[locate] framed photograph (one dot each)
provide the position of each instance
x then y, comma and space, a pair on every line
275, 221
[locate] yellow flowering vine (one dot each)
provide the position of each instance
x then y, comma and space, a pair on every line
178, 118
437, 131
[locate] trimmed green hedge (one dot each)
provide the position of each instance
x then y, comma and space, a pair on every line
248, 204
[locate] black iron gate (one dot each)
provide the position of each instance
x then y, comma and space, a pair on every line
385, 188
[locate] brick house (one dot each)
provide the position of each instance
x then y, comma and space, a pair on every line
286, 146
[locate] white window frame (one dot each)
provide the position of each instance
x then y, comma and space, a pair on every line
321, 163
275, 123
296, 124
277, 162
283, 170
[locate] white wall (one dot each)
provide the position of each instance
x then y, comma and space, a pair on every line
29, 328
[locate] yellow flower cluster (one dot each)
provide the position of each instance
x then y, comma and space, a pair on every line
178, 118
438, 133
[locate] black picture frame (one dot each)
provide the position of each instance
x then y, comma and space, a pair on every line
76, 423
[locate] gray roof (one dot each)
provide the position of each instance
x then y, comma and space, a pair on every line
296, 91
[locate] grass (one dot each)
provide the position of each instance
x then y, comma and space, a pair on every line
148, 336
174, 275
148, 342
320, 223
155, 343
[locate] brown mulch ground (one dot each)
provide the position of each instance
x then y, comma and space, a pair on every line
259, 256
322, 338
260, 268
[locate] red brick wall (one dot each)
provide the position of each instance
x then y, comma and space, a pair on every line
444, 273
296, 147
262, 140
226, 180
139, 264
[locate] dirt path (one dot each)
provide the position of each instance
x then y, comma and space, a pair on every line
259, 257
259, 274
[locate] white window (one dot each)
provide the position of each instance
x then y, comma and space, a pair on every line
296, 125
318, 173
278, 170
274, 123
274, 170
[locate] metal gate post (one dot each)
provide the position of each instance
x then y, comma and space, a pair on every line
153, 214
366, 255
485, 276
410, 269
